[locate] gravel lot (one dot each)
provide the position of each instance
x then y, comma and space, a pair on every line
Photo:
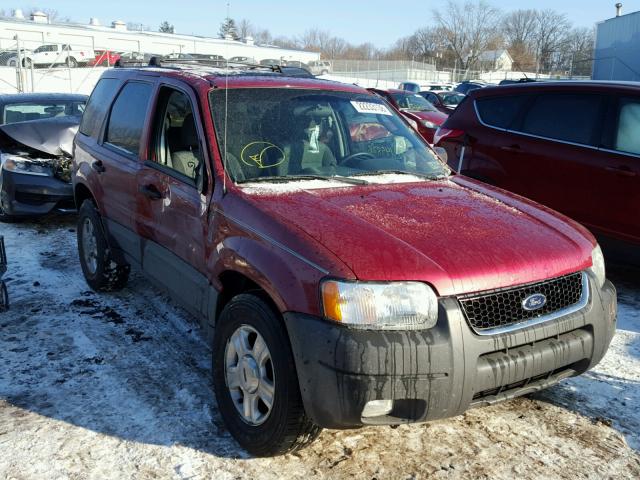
118, 386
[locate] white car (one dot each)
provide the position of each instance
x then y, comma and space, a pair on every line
320, 67
56, 54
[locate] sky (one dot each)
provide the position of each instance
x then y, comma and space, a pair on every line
380, 22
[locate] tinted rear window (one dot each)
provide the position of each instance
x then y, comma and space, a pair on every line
128, 115
98, 106
500, 111
567, 117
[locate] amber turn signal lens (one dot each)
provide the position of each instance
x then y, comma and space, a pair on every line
331, 300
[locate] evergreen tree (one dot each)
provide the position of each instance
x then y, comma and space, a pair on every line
166, 27
228, 27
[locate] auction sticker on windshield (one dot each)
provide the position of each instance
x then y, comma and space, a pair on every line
370, 107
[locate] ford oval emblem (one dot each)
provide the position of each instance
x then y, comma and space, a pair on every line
534, 302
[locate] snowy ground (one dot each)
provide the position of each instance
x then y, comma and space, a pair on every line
117, 386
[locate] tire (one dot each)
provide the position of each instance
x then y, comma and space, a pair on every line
4, 297
4, 218
324, 72
27, 62
100, 271
72, 62
284, 427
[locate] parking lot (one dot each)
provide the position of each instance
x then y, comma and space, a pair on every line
118, 386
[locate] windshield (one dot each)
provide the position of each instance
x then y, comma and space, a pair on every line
21, 112
412, 101
451, 98
283, 134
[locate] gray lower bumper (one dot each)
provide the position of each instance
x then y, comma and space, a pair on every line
443, 371
29, 195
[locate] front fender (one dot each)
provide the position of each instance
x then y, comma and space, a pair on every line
290, 282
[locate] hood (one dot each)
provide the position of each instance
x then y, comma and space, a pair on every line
455, 234
53, 136
436, 117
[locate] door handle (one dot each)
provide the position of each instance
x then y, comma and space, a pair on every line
624, 171
511, 148
151, 192
98, 166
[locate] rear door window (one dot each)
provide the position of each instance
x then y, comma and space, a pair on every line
500, 112
568, 117
98, 106
128, 115
627, 137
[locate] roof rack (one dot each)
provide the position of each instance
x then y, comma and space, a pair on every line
176, 64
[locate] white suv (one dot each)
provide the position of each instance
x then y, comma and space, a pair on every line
320, 67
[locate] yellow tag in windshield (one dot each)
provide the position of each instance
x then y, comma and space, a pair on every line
262, 155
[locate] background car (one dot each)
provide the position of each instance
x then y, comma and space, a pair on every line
446, 101
36, 141
59, 54
573, 146
104, 58
413, 106
241, 59
468, 85
272, 61
209, 57
319, 67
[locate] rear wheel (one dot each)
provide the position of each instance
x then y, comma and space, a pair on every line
4, 297
100, 271
72, 62
255, 380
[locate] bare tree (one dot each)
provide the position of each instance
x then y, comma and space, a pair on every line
468, 29
245, 29
519, 31
550, 37
425, 44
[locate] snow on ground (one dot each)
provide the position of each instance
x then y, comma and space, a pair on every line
118, 386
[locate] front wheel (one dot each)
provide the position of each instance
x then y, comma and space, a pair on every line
255, 380
100, 271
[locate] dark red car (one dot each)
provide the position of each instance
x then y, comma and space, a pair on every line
423, 116
104, 58
573, 146
341, 273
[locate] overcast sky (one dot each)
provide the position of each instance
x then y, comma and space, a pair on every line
377, 21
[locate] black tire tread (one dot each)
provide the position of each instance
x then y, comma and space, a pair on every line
111, 276
299, 430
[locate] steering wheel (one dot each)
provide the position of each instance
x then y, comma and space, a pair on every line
349, 159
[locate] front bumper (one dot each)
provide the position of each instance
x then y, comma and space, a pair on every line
443, 371
22, 194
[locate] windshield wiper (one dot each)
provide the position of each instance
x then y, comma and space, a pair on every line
288, 178
402, 172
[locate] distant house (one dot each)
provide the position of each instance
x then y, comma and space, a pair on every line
495, 60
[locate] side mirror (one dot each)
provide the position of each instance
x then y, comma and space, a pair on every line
442, 153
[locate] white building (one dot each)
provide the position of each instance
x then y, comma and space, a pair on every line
495, 60
37, 30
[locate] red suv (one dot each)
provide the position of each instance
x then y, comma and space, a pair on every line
342, 274
423, 116
573, 146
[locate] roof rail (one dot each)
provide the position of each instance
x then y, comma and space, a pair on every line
159, 62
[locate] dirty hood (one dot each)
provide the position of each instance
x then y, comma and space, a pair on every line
456, 234
53, 136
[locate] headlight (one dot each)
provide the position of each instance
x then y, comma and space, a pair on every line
597, 267
429, 124
20, 165
387, 306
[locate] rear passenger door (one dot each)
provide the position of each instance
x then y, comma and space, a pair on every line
553, 149
118, 162
173, 186
620, 178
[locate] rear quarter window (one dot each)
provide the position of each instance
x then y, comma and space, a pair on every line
98, 106
567, 117
501, 111
128, 115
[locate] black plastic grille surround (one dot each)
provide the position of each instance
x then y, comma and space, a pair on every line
502, 308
